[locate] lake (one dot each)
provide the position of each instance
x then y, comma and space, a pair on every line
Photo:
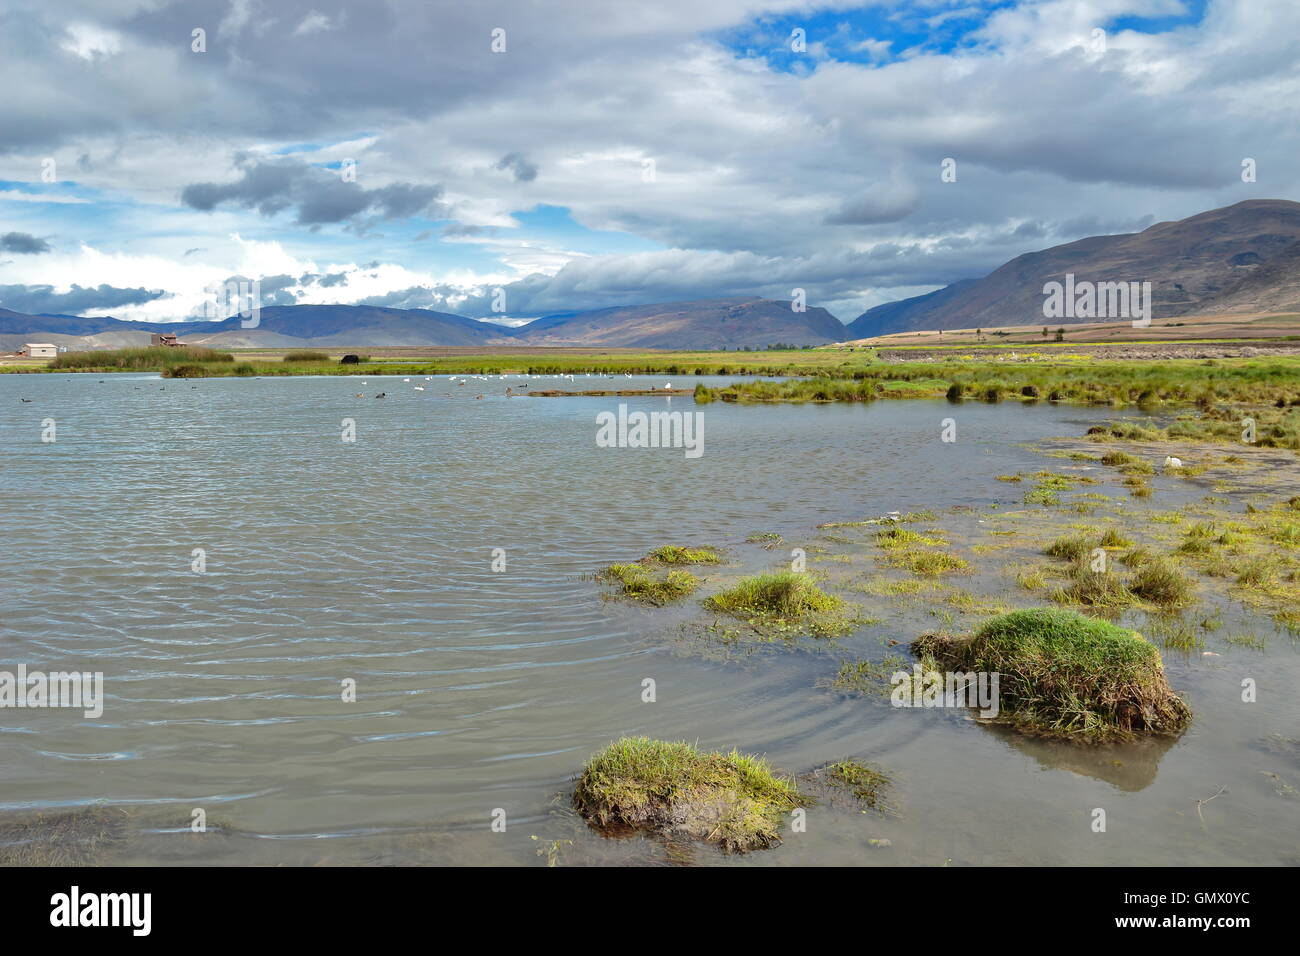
481, 690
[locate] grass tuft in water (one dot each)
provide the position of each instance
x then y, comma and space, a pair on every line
640, 583
733, 801
1066, 675
674, 554
865, 781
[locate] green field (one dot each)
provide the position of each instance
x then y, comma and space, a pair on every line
820, 375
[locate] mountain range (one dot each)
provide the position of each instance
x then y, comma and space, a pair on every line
1239, 259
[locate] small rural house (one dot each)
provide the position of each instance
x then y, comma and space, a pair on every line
39, 350
164, 338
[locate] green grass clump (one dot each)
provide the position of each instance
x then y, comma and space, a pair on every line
865, 781
733, 801
785, 594
1117, 458
1066, 675
1158, 582
897, 537
674, 554
305, 355
1095, 589
640, 583
1074, 547
927, 562
1114, 538
1138, 487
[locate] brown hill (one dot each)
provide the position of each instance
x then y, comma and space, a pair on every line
702, 324
1239, 258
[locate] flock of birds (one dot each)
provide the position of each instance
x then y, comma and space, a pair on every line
464, 380
461, 380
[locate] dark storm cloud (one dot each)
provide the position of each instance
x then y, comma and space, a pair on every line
23, 243
319, 195
39, 299
523, 170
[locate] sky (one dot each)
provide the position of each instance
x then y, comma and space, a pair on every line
506, 159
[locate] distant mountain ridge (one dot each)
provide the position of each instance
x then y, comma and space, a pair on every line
1240, 258
702, 324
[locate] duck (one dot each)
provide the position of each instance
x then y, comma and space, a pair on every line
1172, 462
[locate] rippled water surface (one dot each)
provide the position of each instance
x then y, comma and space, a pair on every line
480, 690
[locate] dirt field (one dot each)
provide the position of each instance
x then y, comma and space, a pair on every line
1188, 328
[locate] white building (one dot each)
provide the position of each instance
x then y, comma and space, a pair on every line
40, 350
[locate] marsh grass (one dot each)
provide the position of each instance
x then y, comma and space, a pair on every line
640, 583
674, 554
1100, 590
868, 677
305, 355
1158, 582
1219, 422
1066, 675
1073, 547
1114, 538
866, 782
784, 602
152, 358
896, 537
1175, 634
1059, 378
733, 801
929, 563
65, 838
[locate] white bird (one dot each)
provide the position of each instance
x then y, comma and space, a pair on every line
1172, 462
419, 388
406, 380
668, 385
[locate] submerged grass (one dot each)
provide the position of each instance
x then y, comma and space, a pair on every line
930, 563
65, 838
783, 601
640, 583
733, 801
674, 554
1066, 675
867, 782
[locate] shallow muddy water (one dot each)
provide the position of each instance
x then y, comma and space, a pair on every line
482, 690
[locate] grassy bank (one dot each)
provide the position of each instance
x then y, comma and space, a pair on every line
159, 358
782, 362
1099, 382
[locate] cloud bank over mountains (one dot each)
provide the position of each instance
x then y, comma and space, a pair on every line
601, 153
